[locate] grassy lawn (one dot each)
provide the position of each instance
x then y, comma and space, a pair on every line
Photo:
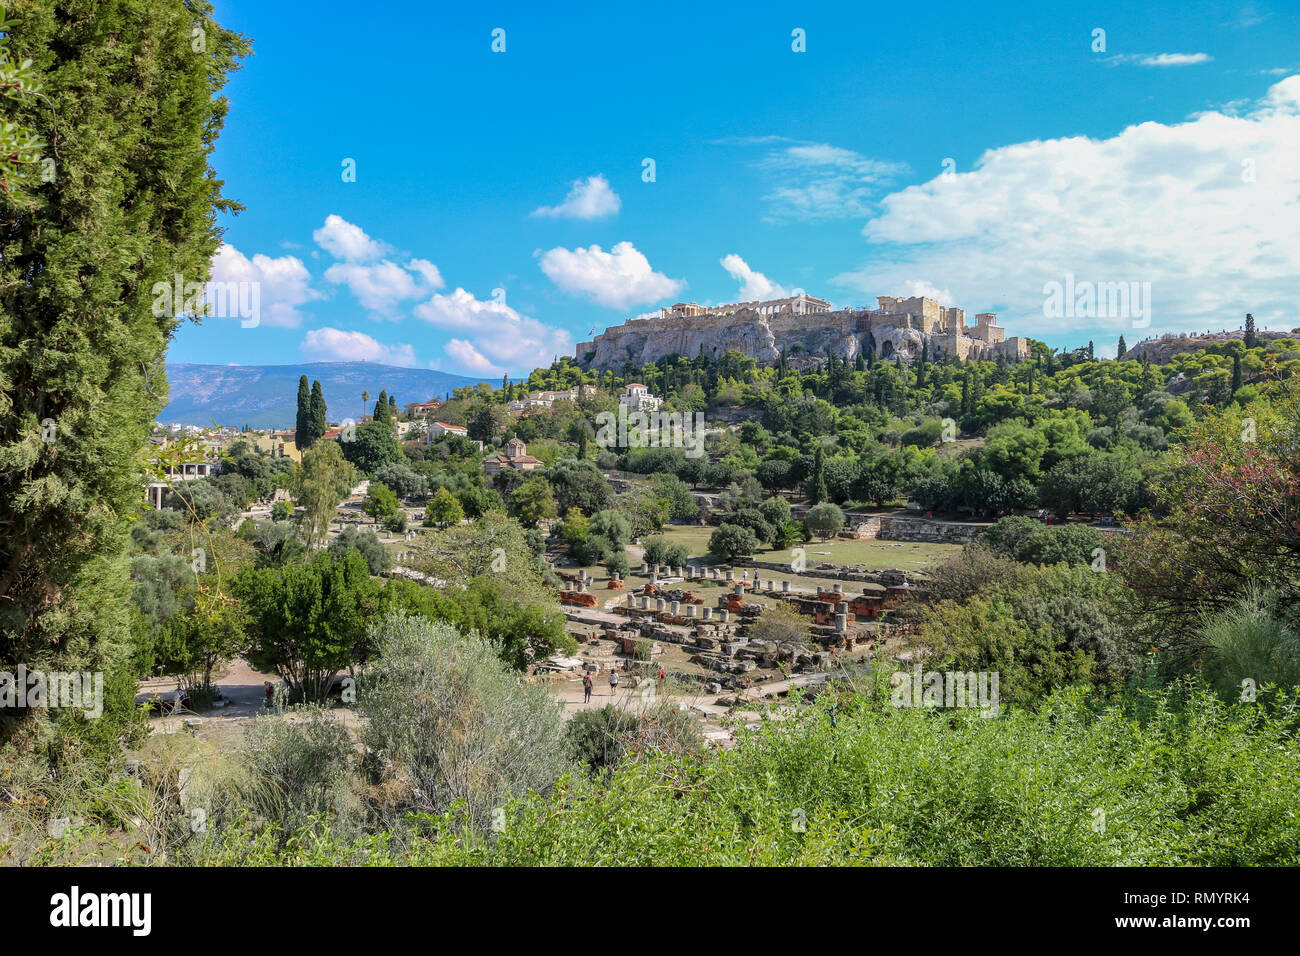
870, 554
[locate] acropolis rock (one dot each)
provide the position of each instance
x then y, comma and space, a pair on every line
807, 330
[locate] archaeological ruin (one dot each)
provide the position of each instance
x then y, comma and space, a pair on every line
807, 329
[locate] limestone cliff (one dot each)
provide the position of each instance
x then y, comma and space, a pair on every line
806, 339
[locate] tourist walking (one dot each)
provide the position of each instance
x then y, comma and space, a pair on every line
613, 681
586, 688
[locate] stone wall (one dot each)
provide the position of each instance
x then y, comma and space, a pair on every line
894, 528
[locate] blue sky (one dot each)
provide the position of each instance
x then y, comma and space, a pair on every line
499, 210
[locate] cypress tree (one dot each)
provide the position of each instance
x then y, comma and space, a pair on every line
1236, 373
89, 260
302, 426
1121, 348
817, 480
316, 414
381, 407
1251, 339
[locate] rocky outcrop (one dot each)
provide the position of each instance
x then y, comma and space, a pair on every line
1159, 351
648, 340
806, 338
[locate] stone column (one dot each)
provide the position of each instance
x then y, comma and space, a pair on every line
785, 587
723, 614
841, 623
690, 610
676, 608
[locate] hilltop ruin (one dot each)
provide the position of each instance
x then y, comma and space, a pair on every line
807, 328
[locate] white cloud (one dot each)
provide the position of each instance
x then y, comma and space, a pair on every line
284, 284
1173, 205
590, 198
619, 278
495, 337
913, 287
1159, 59
377, 282
337, 345
817, 182
381, 287
753, 285
343, 240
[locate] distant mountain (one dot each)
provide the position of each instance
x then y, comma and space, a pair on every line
266, 396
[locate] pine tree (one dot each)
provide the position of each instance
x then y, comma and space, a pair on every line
315, 414
859, 364
302, 424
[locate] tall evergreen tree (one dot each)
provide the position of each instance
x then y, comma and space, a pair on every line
316, 414
1236, 373
382, 410
302, 426
131, 114
1251, 339
1121, 348
817, 480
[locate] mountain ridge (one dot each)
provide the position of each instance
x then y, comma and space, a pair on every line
265, 396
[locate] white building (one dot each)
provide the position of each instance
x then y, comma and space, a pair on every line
437, 429
637, 398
